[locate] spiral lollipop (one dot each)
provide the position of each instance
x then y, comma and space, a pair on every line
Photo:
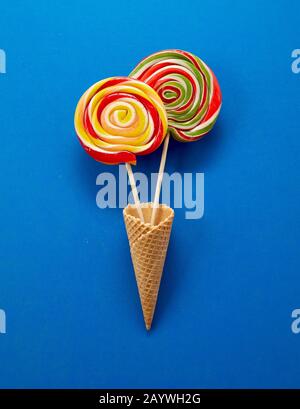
187, 87
118, 118
191, 95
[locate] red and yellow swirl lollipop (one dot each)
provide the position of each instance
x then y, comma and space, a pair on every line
187, 87
118, 118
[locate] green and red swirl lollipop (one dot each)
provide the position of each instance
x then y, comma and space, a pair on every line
188, 88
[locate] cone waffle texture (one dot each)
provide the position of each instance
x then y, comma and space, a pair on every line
148, 247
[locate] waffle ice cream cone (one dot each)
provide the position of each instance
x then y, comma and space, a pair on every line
148, 248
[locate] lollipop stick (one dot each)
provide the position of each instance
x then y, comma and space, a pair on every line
160, 178
134, 191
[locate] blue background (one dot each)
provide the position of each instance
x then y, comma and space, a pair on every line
231, 279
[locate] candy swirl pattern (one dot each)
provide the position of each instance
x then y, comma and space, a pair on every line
118, 118
187, 87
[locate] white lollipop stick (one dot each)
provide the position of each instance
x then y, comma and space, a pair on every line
160, 178
134, 191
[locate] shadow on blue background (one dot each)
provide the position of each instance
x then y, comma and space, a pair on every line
231, 278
